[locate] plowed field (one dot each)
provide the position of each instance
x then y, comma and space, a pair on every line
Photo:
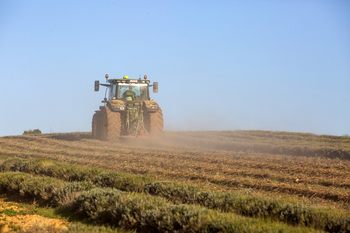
327, 180
300, 168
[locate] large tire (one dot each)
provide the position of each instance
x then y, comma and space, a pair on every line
111, 124
96, 125
156, 124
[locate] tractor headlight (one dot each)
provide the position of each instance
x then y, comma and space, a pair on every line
122, 108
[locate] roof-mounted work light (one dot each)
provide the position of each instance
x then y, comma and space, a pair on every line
145, 77
106, 76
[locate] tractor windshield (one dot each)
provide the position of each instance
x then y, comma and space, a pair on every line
130, 91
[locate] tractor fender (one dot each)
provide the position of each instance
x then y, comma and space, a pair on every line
117, 105
151, 106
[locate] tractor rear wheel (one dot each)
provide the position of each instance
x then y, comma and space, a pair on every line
111, 124
96, 125
156, 124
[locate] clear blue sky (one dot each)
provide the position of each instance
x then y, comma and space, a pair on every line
221, 65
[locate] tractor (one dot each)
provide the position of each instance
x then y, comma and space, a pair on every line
128, 110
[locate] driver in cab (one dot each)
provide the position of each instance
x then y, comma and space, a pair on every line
129, 95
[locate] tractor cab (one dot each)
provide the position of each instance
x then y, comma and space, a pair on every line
128, 89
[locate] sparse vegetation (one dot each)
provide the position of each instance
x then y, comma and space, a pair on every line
66, 194
140, 212
254, 177
32, 132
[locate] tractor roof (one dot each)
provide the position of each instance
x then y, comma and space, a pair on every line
128, 81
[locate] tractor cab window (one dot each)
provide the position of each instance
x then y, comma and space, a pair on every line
129, 91
112, 91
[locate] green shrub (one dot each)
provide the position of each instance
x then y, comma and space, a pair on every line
66, 195
120, 181
290, 213
13, 181
174, 192
43, 187
96, 202
32, 132
146, 213
21, 165
27, 185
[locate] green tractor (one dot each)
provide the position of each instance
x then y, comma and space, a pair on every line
128, 110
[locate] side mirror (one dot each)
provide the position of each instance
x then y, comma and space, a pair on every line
97, 85
155, 87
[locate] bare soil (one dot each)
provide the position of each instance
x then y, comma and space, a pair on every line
13, 218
